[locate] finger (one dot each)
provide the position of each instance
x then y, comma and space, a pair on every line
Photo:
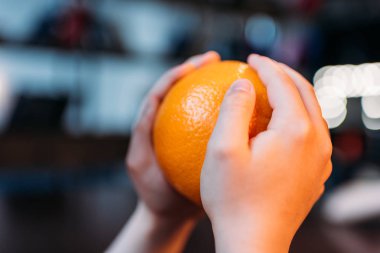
308, 96
141, 133
203, 59
163, 85
283, 96
232, 127
140, 145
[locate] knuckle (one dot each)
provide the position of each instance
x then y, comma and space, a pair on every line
132, 164
327, 150
322, 191
222, 152
317, 194
302, 130
328, 173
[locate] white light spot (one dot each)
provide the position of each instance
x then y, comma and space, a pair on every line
332, 107
330, 86
370, 123
371, 106
334, 84
335, 122
320, 73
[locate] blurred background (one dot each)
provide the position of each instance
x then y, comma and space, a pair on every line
72, 75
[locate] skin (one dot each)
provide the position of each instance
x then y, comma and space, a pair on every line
163, 219
256, 192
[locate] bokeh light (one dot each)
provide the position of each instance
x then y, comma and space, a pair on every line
371, 123
261, 31
334, 84
338, 120
371, 106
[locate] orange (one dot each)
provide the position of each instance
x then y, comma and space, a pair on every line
187, 116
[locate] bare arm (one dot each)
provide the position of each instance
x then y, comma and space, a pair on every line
148, 233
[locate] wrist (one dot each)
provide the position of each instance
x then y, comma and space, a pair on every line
247, 233
157, 221
168, 234
147, 232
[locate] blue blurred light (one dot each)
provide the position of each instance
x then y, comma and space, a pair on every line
261, 31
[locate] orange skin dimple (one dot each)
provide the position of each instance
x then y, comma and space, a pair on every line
187, 116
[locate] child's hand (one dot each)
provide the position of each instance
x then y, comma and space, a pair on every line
258, 191
163, 219
153, 190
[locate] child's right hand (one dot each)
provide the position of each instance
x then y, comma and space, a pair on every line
258, 192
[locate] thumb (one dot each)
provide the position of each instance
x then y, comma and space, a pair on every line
232, 127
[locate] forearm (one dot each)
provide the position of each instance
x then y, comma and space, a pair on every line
245, 236
145, 233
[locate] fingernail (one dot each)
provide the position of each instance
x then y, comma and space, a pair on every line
253, 57
209, 53
196, 61
242, 85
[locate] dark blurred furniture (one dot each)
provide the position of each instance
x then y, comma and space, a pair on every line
59, 151
88, 219
38, 114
